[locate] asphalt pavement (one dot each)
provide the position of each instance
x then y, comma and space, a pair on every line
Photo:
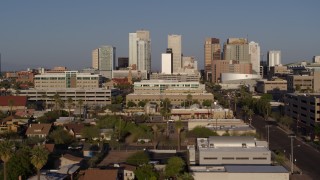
305, 157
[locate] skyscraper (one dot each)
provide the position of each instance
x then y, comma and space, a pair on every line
104, 59
140, 50
274, 58
212, 52
174, 43
254, 52
237, 49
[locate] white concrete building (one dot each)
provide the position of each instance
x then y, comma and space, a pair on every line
166, 63
274, 58
254, 52
316, 59
140, 50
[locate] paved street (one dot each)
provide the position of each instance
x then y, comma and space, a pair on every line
306, 157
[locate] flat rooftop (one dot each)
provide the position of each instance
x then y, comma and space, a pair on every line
240, 169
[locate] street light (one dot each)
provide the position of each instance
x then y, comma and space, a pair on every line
291, 158
268, 126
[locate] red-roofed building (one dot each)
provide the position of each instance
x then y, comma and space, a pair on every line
99, 174
14, 102
74, 129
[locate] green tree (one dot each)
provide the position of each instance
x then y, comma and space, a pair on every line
6, 152
317, 130
119, 99
146, 172
20, 164
91, 132
39, 157
174, 167
185, 176
201, 132
165, 107
179, 126
189, 99
245, 110
155, 130
138, 159
141, 103
131, 104
61, 136
207, 103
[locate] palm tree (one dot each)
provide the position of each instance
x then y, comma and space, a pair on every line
80, 103
70, 104
245, 110
155, 130
44, 96
6, 152
39, 157
250, 114
11, 104
179, 127
56, 99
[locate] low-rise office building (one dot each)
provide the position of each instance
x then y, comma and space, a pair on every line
224, 150
275, 86
99, 96
176, 76
67, 79
222, 126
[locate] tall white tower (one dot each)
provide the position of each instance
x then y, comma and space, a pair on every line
140, 50
254, 52
274, 58
174, 43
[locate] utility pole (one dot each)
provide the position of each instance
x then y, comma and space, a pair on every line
291, 159
268, 135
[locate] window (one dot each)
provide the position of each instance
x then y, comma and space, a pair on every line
210, 158
259, 158
242, 158
228, 158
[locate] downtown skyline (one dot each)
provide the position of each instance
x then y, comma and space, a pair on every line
46, 34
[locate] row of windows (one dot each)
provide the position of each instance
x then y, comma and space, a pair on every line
237, 158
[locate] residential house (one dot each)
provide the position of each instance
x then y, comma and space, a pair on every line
39, 130
68, 159
99, 174
8, 103
74, 129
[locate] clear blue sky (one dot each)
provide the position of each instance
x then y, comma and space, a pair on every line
37, 33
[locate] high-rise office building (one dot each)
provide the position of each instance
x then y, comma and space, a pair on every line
274, 58
123, 62
104, 59
140, 50
212, 52
174, 43
237, 49
254, 52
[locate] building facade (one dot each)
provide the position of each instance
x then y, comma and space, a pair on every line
254, 52
140, 50
212, 52
68, 79
237, 49
174, 43
229, 66
304, 109
104, 59
274, 58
